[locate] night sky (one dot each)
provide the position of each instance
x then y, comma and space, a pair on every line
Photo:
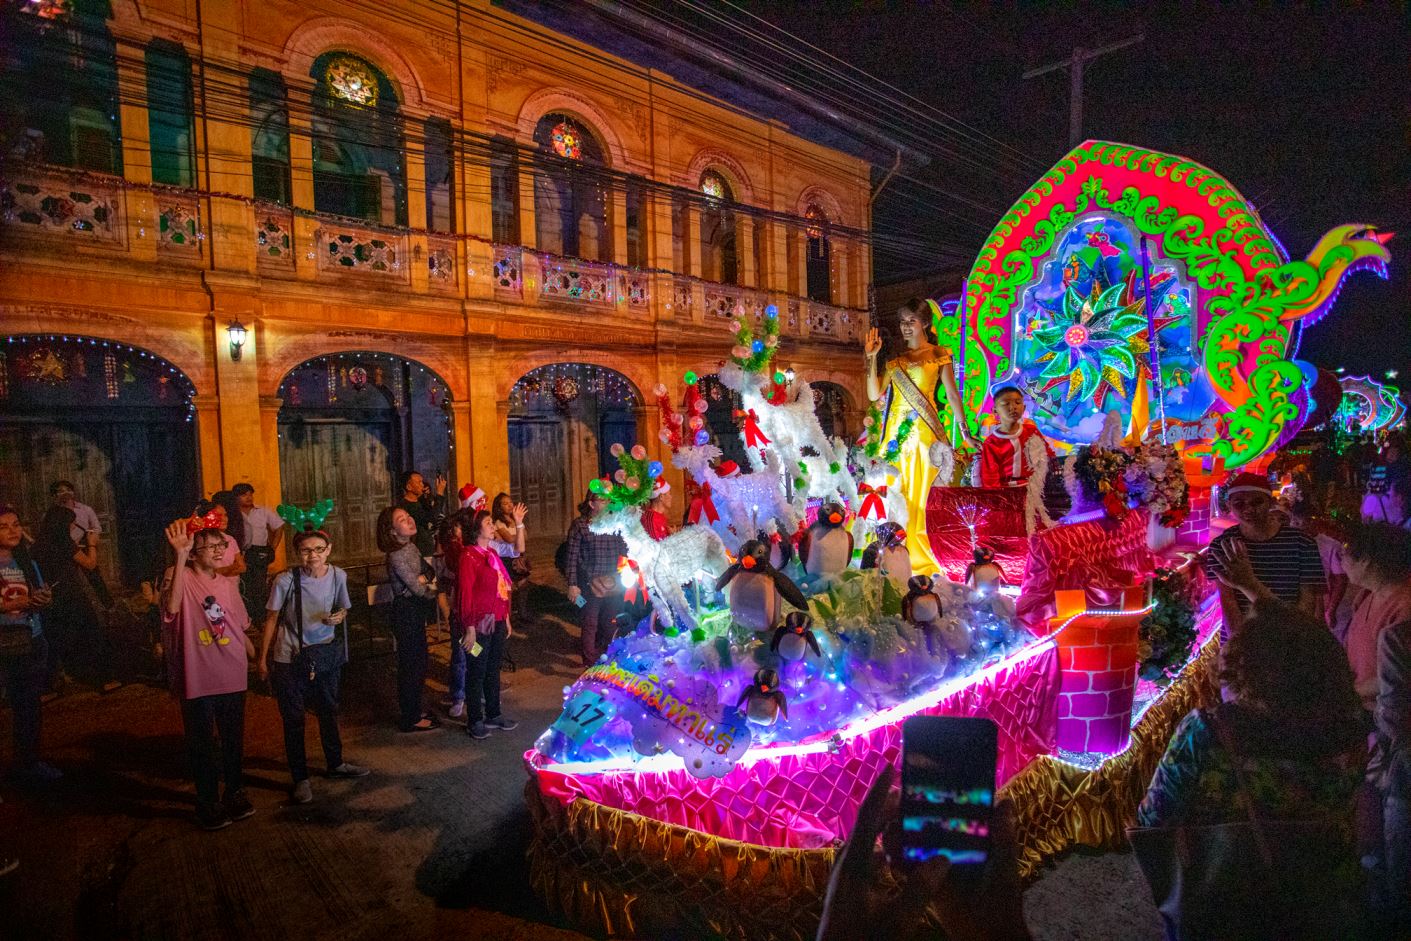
1308, 114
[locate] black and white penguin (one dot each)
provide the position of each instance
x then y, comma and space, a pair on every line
763, 700
826, 549
757, 590
794, 637
922, 607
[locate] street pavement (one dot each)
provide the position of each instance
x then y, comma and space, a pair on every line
431, 844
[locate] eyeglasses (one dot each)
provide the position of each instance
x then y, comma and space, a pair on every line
207, 547
313, 550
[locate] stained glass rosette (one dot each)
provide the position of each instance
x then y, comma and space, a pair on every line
1081, 333
352, 80
713, 185
567, 141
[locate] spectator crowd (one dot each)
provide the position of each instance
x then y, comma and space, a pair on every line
1304, 764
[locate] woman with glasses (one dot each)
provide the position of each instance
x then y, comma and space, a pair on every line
306, 606
207, 654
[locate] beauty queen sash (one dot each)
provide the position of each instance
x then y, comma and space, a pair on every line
917, 402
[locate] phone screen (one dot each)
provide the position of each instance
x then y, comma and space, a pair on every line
948, 791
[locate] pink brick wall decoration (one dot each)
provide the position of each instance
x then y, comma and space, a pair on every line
1097, 657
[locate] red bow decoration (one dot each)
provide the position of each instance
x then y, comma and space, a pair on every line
197, 523
754, 438
872, 505
625, 564
702, 503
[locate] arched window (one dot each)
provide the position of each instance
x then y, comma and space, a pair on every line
570, 191
819, 255
718, 259
359, 167
440, 188
59, 86
169, 113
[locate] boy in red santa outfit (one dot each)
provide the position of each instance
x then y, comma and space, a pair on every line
1014, 447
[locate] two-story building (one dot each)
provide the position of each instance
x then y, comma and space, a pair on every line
309, 246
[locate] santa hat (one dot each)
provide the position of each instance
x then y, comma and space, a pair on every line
659, 487
1250, 483
727, 468
472, 497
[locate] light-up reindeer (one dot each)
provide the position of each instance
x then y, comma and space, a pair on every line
879, 500
735, 505
659, 568
786, 424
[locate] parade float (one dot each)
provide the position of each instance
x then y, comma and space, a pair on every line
711, 762
1368, 406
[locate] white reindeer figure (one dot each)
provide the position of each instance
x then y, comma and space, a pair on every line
792, 427
666, 565
746, 502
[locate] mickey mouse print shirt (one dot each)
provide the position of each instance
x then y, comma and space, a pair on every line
204, 644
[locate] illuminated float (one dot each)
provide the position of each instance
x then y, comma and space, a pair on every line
1368, 406
710, 763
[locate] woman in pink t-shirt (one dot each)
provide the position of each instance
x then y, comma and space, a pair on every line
1378, 559
203, 631
483, 603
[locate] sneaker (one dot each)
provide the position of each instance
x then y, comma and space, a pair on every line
348, 770
238, 806
478, 730
8, 864
457, 710
302, 792
212, 817
504, 723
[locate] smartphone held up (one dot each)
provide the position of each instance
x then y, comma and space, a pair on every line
948, 791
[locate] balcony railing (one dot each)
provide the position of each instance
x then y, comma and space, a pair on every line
56, 206
56, 203
350, 249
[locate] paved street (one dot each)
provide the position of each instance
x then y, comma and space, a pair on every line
431, 844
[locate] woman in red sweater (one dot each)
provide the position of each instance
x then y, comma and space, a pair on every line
483, 603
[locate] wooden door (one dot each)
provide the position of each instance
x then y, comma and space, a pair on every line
347, 462
539, 479
138, 476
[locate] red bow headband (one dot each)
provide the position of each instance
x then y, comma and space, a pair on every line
197, 523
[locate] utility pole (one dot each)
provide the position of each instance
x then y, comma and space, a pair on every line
1074, 65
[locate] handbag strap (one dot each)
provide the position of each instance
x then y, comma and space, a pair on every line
1226, 735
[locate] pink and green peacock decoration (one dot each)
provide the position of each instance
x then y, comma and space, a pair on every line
1056, 303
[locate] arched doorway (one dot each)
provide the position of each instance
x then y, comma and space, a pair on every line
721, 405
563, 419
115, 421
719, 261
830, 404
350, 424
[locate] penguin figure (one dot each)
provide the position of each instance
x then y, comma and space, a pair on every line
887, 552
795, 636
922, 607
984, 571
781, 550
757, 589
826, 548
766, 702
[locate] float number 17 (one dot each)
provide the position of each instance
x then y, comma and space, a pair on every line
583, 715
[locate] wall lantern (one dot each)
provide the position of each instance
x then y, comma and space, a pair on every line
236, 332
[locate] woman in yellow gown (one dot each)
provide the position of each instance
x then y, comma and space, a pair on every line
913, 382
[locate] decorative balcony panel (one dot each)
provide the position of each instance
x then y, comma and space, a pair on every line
58, 203
725, 302
354, 250
822, 320
179, 233
565, 279
274, 237
441, 267
681, 295
636, 288
509, 271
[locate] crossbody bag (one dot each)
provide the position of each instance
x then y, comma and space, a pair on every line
316, 659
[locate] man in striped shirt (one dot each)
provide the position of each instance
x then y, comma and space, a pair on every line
1263, 556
